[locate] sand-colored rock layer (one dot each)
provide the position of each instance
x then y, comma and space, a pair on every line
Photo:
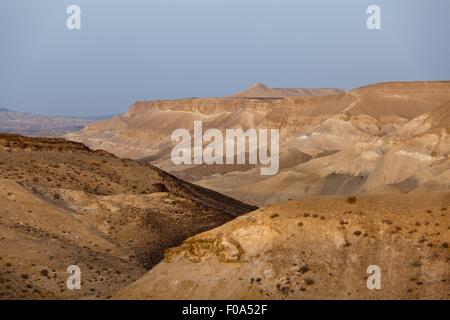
380, 139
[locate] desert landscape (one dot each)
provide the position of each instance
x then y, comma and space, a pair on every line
382, 138
317, 248
364, 180
63, 204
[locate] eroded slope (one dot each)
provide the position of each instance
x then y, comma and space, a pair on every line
318, 248
64, 204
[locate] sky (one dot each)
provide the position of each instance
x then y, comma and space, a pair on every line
129, 50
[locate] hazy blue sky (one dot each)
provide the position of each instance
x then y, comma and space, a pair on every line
132, 50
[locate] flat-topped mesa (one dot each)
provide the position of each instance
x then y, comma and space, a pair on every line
407, 85
309, 104
354, 138
128, 135
402, 99
254, 99
206, 105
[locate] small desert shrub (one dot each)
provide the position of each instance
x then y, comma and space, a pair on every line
351, 199
160, 187
416, 264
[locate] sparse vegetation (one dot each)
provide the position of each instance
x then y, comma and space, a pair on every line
351, 199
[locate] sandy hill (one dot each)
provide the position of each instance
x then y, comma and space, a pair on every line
382, 138
261, 91
319, 248
63, 204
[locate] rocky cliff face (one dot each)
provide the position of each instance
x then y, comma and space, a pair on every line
383, 138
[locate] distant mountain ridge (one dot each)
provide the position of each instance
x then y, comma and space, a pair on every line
259, 90
41, 125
